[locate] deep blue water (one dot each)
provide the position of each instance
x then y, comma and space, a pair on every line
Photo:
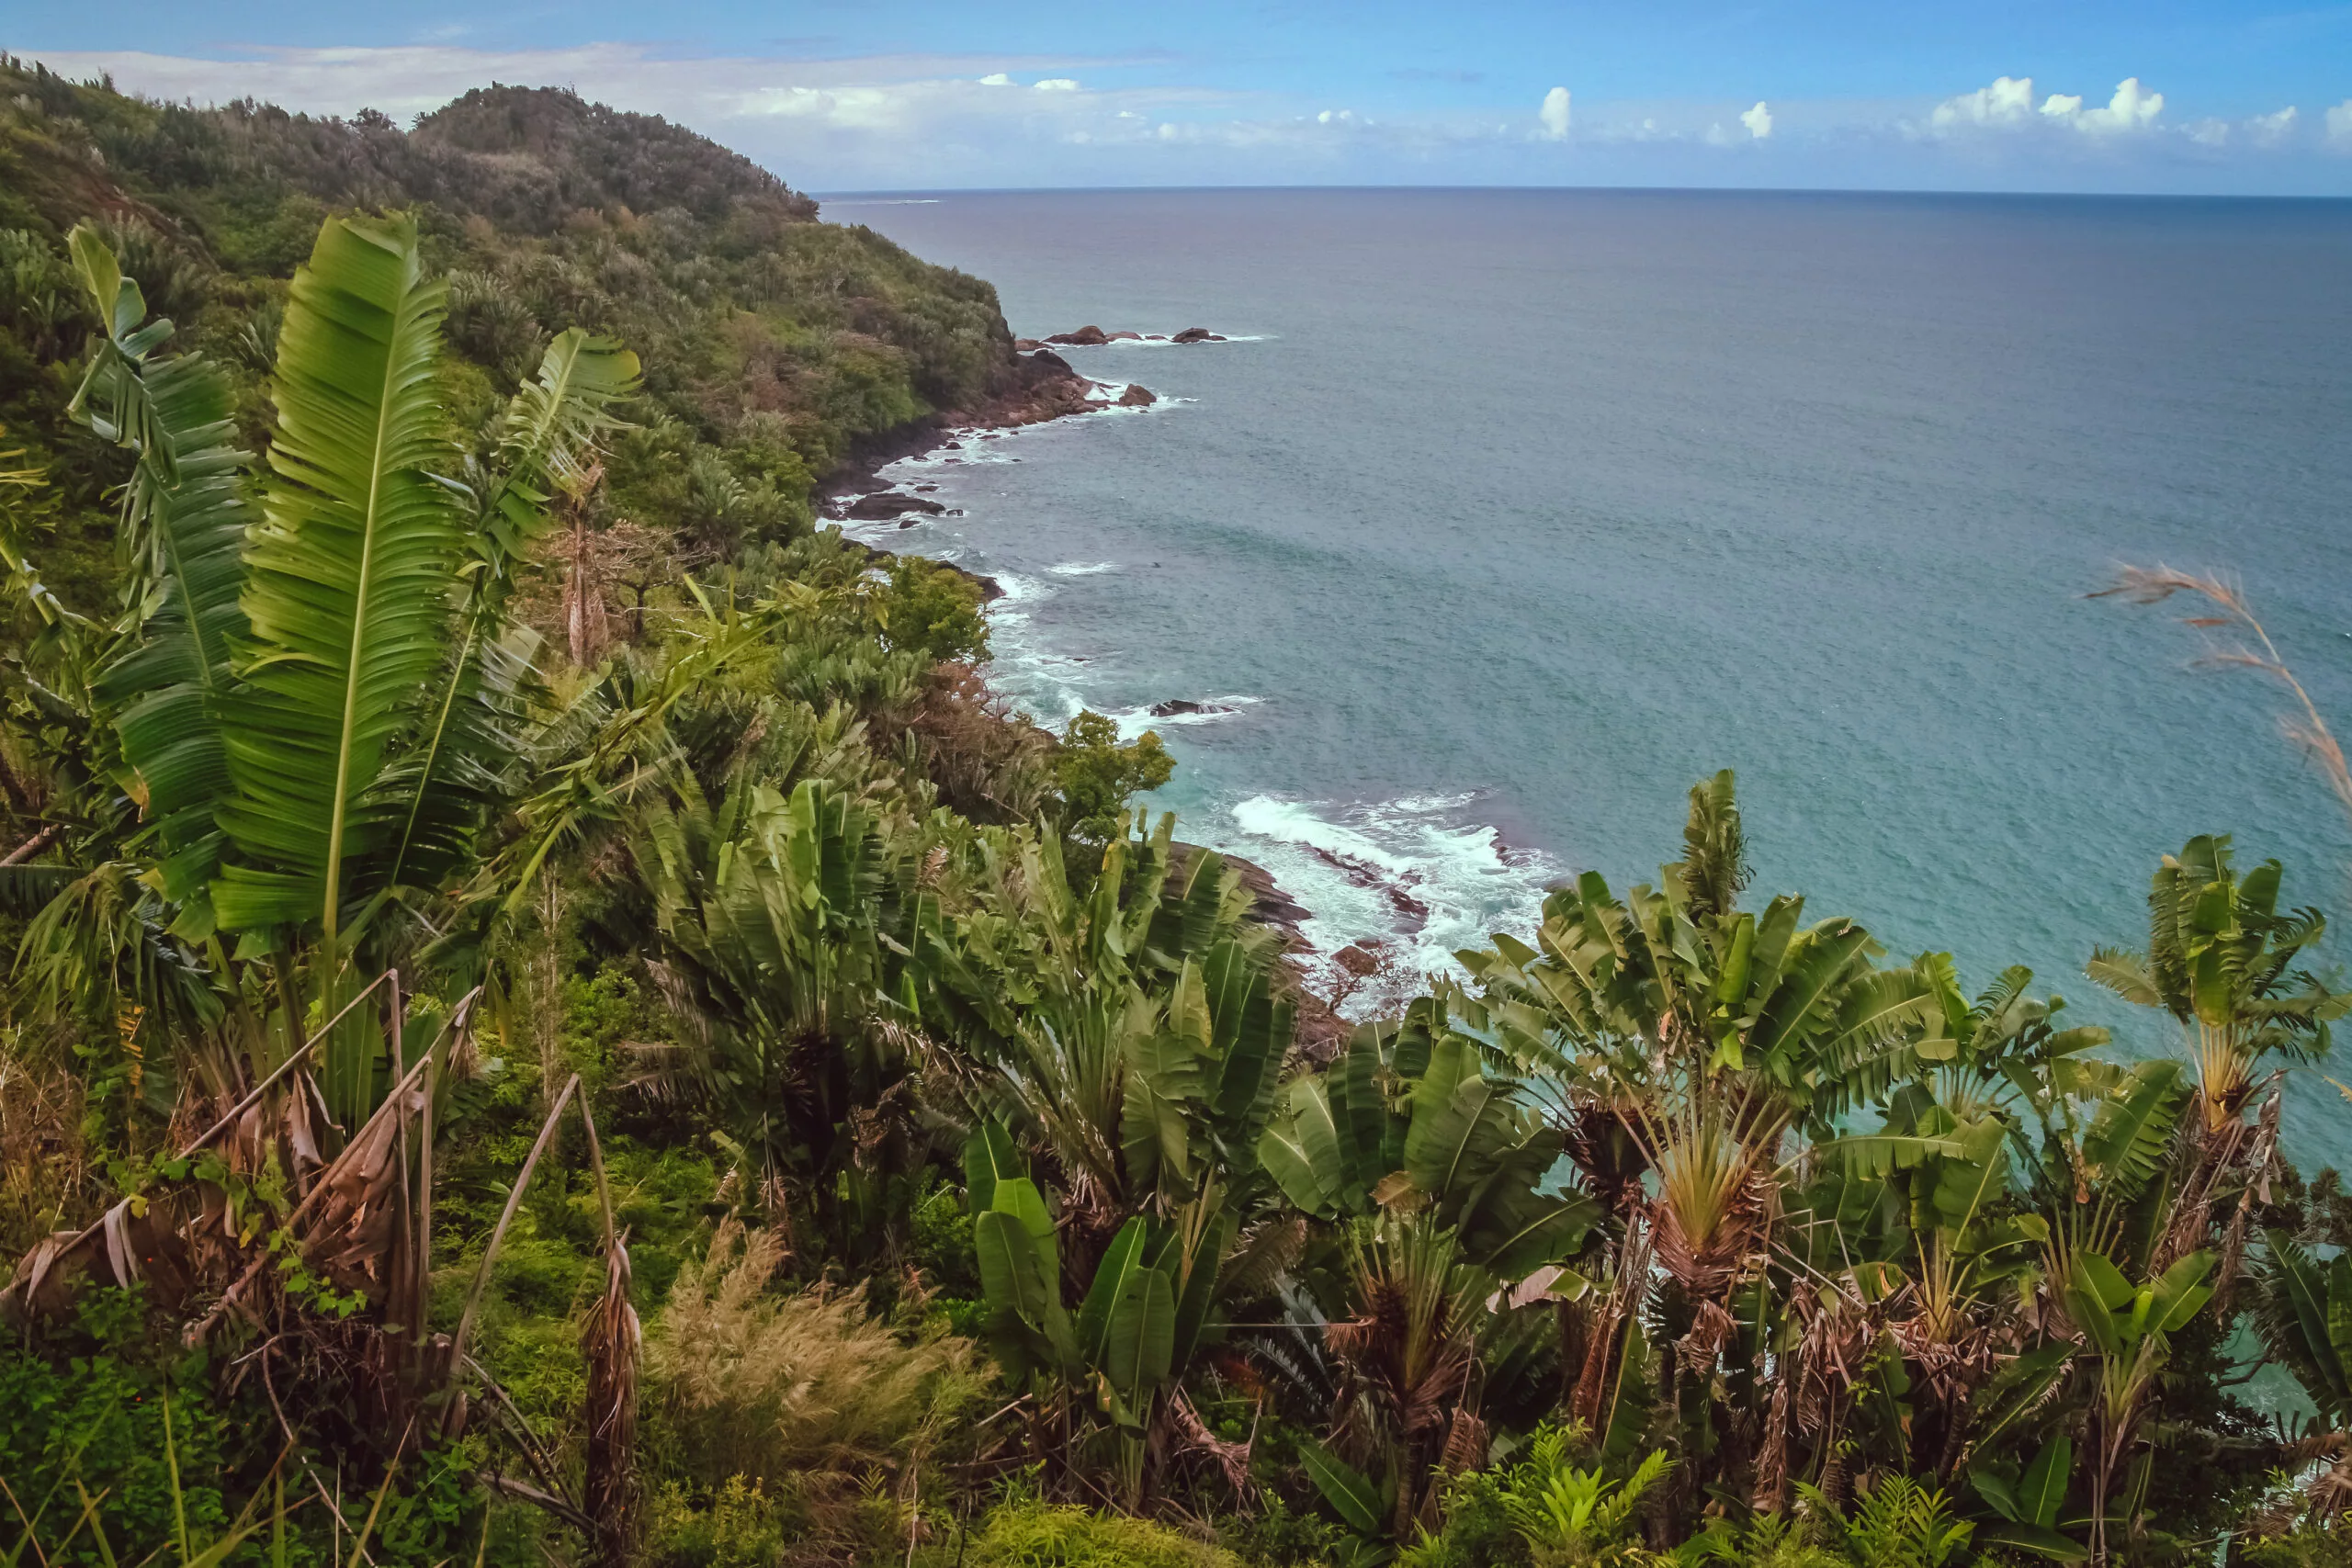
1519, 510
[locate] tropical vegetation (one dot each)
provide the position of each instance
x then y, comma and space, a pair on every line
495, 1066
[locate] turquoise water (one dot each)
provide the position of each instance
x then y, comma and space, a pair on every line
1517, 511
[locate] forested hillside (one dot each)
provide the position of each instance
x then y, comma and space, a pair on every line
551, 1019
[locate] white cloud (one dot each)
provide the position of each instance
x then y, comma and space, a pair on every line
2132, 108
874, 123
1554, 115
2008, 101
2269, 129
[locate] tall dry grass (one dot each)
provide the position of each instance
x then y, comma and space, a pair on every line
2249, 647
761, 1384
47, 1179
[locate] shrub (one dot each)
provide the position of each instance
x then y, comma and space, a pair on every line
740, 1528
759, 1385
2312, 1543
932, 610
1478, 1532
1097, 773
1045, 1535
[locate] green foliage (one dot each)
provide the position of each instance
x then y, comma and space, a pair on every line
1898, 1523
1413, 1116
934, 611
885, 988
1043, 1535
2319, 1543
740, 1527
1098, 775
1573, 1517
92, 1412
1478, 1531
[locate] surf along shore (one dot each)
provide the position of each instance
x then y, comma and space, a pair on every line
1048, 388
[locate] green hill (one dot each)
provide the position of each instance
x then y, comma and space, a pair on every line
773, 342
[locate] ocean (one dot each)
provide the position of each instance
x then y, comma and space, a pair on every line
1507, 515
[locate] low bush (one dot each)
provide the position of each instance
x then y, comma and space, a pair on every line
1043, 1535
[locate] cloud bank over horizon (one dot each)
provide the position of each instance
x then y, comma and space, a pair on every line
881, 121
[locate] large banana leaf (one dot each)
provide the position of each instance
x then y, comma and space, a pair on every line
1301, 1151
1139, 1341
551, 425
2305, 1317
1013, 1274
183, 522
464, 759
1123, 1258
1253, 1034
2130, 1136
349, 580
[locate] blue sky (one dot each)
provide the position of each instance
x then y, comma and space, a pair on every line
2064, 94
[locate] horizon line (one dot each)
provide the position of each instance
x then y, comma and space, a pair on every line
916, 194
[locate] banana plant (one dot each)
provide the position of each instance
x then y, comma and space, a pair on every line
2303, 1308
1410, 1119
2221, 959
1138, 1032
1144, 1314
772, 912
1707, 1033
309, 712
1132, 1037
2029, 1502
2126, 1331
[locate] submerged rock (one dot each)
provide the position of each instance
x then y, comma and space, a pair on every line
1176, 706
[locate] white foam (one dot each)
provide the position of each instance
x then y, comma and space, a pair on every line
1420, 873
1083, 568
1135, 721
1162, 342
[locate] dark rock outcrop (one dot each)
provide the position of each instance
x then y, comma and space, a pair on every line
1197, 334
1174, 706
1137, 397
1085, 337
885, 505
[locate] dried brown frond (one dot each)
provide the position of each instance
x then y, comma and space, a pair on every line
610, 1342
2307, 730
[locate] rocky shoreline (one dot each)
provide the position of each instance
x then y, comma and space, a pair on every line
1043, 389
1047, 387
